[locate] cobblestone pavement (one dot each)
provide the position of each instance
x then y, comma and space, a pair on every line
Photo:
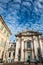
1, 63
21, 64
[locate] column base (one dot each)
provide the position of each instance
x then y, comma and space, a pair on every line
22, 60
15, 59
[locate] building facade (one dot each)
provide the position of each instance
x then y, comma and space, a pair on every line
4, 38
27, 45
41, 45
11, 52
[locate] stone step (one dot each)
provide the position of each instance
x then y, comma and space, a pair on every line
21, 63
1, 63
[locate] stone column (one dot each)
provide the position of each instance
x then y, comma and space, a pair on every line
17, 49
35, 46
41, 47
25, 51
11, 54
32, 51
22, 50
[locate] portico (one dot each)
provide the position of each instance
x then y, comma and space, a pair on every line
27, 45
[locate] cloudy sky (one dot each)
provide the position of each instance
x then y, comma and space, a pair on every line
22, 14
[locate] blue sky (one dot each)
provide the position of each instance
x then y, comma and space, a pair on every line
22, 14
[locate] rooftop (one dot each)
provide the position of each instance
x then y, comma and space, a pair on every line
5, 24
27, 33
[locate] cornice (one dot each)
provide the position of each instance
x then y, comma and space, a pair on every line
3, 22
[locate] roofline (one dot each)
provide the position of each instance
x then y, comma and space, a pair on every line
31, 31
5, 24
42, 37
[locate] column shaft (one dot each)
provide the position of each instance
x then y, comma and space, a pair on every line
17, 49
22, 50
36, 47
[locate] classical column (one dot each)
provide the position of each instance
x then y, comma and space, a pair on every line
32, 50
17, 49
40, 46
25, 52
11, 54
22, 50
35, 46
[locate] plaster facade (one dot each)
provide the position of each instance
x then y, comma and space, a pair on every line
4, 38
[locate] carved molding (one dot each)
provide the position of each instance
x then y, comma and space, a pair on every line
27, 49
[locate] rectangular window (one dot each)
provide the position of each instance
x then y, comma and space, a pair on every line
9, 54
28, 44
7, 34
1, 27
13, 54
2, 43
4, 31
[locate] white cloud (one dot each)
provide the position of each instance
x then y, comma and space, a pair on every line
39, 5
4, 1
12, 19
40, 0
17, 1
27, 4
15, 6
1, 10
